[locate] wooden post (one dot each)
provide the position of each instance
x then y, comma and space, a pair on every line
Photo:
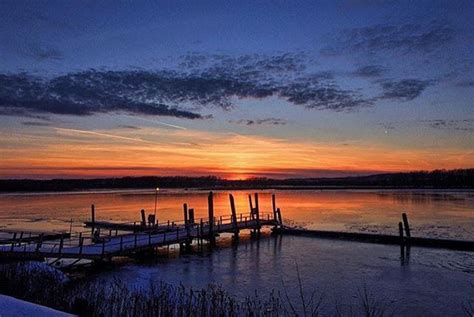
81, 242
402, 243
400, 231
257, 212
61, 242
232, 209
191, 215
143, 217
210, 207
103, 247
234, 216
201, 227
251, 206
13, 241
40, 242
186, 225
21, 238
406, 225
186, 218
93, 216
121, 243
274, 208
280, 219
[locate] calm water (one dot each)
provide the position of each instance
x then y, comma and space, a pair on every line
429, 282
431, 214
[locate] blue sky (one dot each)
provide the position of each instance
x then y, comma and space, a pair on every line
392, 76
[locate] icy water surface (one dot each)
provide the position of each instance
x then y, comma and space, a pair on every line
429, 282
432, 213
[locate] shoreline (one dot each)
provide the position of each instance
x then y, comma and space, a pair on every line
166, 190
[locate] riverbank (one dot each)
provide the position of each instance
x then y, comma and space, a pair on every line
93, 297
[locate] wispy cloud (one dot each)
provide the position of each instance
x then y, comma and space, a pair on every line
100, 134
403, 90
464, 125
408, 38
269, 121
36, 124
127, 126
159, 123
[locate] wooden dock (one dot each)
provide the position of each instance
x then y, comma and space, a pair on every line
145, 236
106, 240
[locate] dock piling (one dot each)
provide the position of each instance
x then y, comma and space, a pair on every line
406, 225
251, 205
61, 243
280, 219
210, 207
93, 216
81, 242
274, 208
234, 216
400, 231
142, 212
185, 211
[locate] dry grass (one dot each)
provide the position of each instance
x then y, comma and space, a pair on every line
46, 286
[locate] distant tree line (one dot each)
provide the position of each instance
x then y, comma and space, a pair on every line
459, 178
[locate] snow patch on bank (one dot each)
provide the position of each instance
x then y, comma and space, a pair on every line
12, 307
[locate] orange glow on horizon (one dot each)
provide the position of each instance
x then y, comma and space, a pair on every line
75, 153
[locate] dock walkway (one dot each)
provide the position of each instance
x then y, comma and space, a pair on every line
144, 237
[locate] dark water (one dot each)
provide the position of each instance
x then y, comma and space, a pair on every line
430, 282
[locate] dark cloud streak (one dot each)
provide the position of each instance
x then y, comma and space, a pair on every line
408, 38
215, 81
269, 121
403, 90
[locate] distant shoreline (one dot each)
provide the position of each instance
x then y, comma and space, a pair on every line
462, 179
150, 191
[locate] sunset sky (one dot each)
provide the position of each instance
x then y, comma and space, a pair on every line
235, 89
